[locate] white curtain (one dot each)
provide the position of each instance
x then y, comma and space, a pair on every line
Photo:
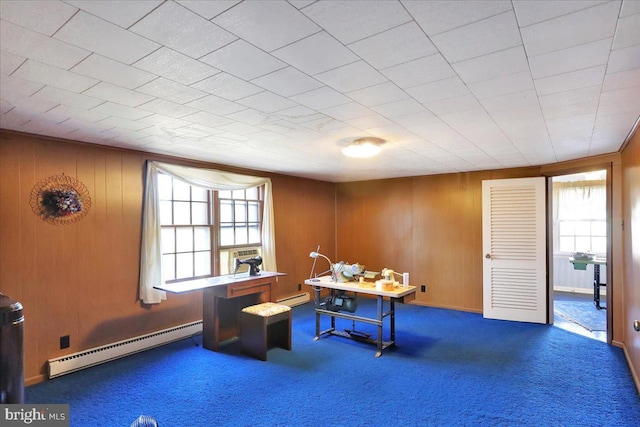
151, 248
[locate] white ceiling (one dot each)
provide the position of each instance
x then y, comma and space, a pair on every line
282, 86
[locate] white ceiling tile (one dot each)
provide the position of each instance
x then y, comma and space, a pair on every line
624, 59
572, 59
234, 58
267, 102
239, 128
369, 122
348, 111
595, 23
45, 17
175, 66
251, 117
113, 72
171, 91
379, 94
503, 63
121, 111
15, 87
324, 97
33, 105
216, 105
164, 121
63, 112
227, 86
123, 13
629, 7
570, 97
268, 25
299, 114
29, 44
315, 54
509, 101
439, 16
208, 9
442, 89
356, 75
350, 21
118, 94
395, 46
102, 37
9, 62
568, 81
206, 119
287, 82
65, 97
121, 123
52, 76
419, 71
622, 79
399, 108
529, 11
586, 108
628, 32
168, 108
503, 85
178, 28
448, 105
479, 38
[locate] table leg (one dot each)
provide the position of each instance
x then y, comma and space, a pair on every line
380, 309
596, 286
392, 320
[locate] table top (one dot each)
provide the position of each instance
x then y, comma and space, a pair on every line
199, 284
600, 261
397, 291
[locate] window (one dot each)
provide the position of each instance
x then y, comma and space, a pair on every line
240, 217
190, 229
580, 223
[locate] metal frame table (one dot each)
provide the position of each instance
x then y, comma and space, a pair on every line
398, 293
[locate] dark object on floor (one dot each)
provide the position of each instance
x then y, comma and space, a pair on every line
145, 421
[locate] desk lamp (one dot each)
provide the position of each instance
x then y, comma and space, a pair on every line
315, 256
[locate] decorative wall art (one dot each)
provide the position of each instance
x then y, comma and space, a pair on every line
60, 200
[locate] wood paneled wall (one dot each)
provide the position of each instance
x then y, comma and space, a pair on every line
429, 226
631, 289
81, 279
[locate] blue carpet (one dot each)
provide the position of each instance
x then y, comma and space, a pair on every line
450, 369
581, 310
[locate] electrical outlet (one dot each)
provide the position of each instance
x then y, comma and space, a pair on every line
65, 342
423, 288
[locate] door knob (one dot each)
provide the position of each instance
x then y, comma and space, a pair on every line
488, 256
636, 325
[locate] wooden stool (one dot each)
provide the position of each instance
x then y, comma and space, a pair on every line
264, 326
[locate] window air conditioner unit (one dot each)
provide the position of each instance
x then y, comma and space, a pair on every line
241, 253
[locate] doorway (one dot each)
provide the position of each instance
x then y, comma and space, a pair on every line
579, 247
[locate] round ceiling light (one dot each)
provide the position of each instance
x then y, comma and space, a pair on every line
363, 148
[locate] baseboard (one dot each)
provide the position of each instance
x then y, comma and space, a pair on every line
573, 290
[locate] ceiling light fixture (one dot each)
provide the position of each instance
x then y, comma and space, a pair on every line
363, 148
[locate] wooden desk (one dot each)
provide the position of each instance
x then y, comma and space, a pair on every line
223, 297
396, 294
581, 264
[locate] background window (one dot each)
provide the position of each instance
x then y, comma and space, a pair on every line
580, 214
191, 231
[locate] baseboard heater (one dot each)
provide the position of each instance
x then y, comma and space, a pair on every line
97, 355
295, 299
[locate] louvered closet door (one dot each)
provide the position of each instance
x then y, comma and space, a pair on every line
514, 245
